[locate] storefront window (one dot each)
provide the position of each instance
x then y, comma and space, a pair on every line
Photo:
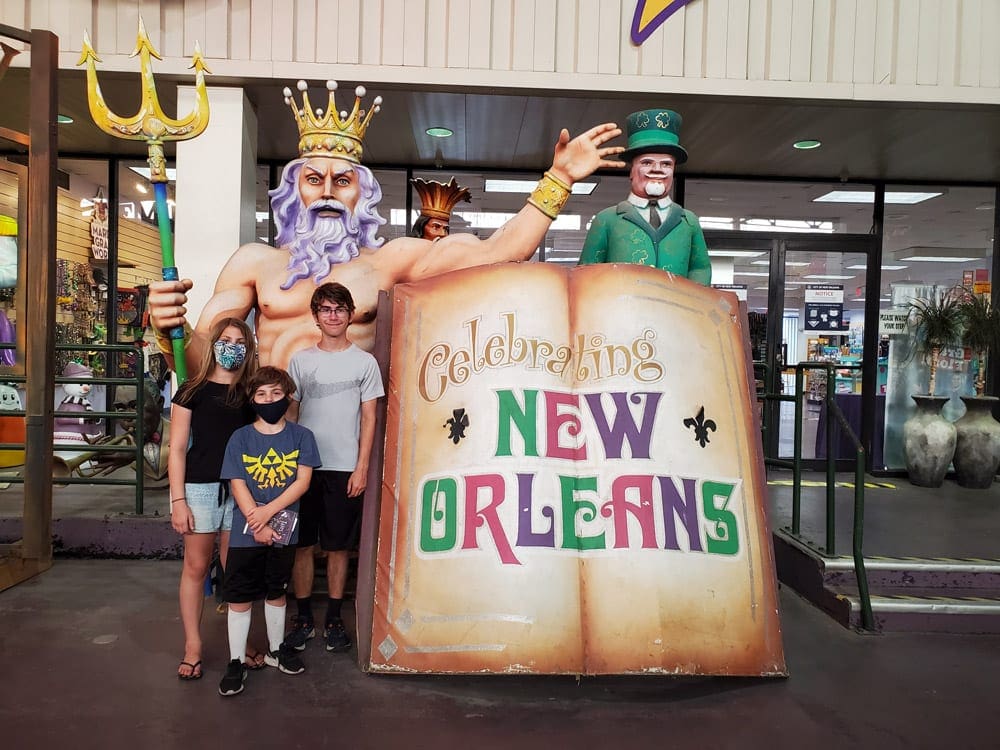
936, 239
768, 206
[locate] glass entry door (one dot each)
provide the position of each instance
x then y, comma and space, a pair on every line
822, 306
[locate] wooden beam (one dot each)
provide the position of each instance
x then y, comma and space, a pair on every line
40, 346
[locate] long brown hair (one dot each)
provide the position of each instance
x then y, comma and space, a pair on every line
236, 392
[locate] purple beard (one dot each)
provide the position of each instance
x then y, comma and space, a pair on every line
317, 243
321, 242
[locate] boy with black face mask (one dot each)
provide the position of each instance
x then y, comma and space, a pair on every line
269, 466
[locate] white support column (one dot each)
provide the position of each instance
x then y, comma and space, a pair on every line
216, 190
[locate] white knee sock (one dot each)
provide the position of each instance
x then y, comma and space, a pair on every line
274, 616
239, 631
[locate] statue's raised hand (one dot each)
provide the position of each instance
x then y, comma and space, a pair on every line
580, 157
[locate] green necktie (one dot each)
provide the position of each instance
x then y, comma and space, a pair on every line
654, 214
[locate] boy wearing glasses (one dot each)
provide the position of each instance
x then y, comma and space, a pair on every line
336, 386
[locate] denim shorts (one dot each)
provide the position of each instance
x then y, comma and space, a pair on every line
209, 515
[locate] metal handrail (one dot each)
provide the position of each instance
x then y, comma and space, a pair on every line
135, 450
832, 411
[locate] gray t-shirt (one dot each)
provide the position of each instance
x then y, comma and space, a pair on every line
330, 388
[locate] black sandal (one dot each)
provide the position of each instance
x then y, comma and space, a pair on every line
196, 673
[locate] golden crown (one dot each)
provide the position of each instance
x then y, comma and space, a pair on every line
437, 199
331, 133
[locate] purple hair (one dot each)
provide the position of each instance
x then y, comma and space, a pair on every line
317, 243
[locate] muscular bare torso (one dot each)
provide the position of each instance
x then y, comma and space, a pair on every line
284, 322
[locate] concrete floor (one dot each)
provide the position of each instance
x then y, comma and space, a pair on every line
90, 649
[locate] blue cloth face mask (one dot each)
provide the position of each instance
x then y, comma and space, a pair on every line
229, 356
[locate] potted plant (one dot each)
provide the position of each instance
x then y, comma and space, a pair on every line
928, 438
977, 447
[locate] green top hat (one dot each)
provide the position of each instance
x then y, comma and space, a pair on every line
654, 131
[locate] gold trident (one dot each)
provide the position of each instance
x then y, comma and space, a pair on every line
149, 124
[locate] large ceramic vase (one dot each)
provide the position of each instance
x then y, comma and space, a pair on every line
977, 451
928, 442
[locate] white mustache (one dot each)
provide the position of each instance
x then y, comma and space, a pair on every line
328, 205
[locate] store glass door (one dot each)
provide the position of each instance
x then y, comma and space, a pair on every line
822, 307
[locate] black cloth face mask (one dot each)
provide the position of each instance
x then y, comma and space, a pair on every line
272, 412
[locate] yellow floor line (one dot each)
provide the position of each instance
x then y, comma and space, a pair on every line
849, 485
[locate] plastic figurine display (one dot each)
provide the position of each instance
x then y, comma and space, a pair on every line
647, 227
437, 201
326, 215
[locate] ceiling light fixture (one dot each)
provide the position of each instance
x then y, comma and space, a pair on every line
868, 196
144, 172
526, 186
863, 267
939, 259
736, 253
440, 132
807, 145
64, 119
827, 276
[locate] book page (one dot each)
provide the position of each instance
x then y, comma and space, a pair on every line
680, 542
468, 578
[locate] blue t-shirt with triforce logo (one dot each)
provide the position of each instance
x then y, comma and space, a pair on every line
268, 464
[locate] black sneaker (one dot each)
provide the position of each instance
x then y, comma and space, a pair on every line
285, 659
232, 681
336, 636
302, 630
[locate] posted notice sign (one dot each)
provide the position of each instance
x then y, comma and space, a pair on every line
892, 322
824, 309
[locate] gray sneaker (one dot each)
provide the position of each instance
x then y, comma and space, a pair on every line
336, 636
285, 659
302, 631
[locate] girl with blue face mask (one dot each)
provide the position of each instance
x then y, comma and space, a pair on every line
206, 410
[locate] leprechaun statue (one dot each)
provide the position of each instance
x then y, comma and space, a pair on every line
648, 228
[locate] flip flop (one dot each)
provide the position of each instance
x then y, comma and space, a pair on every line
196, 672
254, 659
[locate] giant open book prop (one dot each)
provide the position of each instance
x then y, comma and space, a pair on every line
572, 480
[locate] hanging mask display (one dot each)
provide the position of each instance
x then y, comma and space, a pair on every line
229, 356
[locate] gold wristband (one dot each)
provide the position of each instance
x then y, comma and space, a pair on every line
550, 195
165, 344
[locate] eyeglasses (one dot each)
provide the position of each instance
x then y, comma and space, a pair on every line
340, 312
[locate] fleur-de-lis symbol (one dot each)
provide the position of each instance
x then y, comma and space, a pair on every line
457, 423
701, 427
663, 120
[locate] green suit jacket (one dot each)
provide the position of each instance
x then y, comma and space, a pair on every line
619, 234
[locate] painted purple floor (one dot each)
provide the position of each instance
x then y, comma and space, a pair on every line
89, 651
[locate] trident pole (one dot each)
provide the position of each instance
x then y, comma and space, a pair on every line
151, 125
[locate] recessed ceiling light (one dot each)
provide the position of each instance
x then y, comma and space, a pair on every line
750, 273
868, 196
938, 259
526, 186
64, 119
863, 267
736, 253
830, 276
144, 172
807, 144
440, 132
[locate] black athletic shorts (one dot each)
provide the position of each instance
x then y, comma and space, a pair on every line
328, 515
254, 573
